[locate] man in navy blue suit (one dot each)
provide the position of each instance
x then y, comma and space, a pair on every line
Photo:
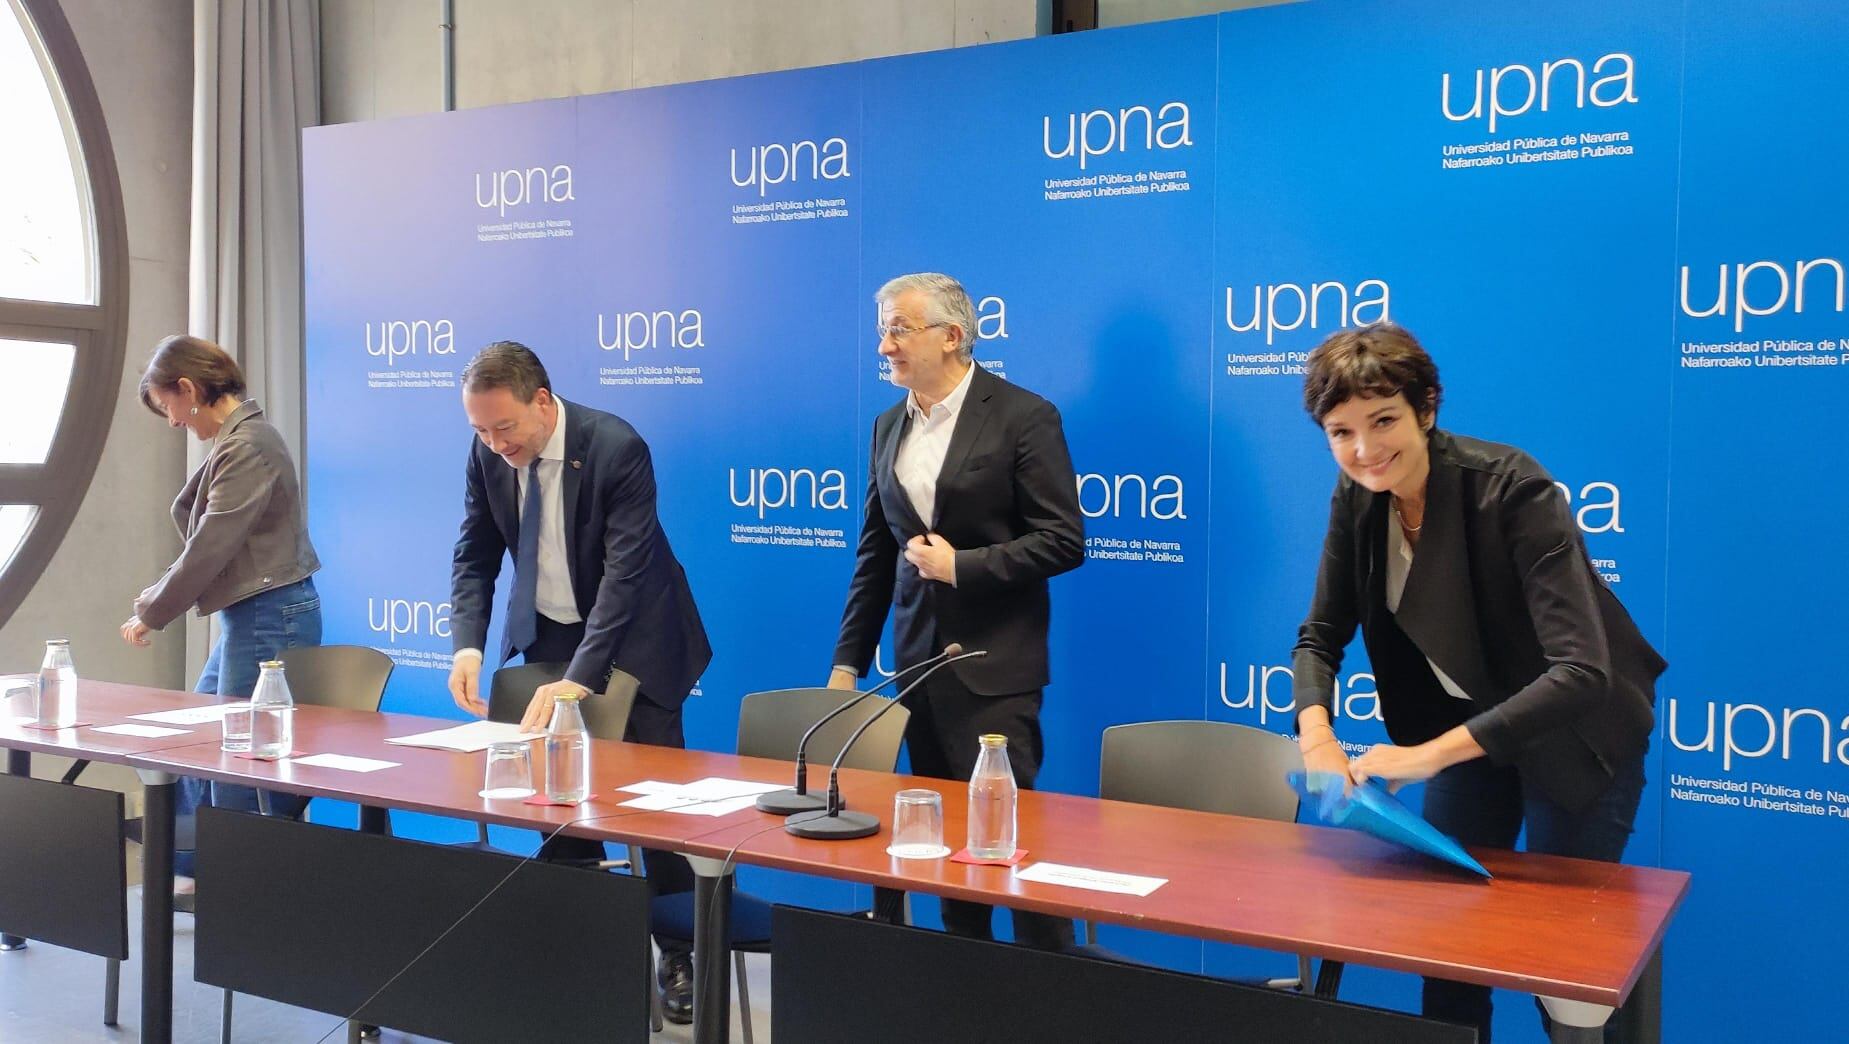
570, 491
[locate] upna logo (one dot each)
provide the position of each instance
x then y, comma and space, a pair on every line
1763, 288
504, 190
1328, 305
394, 617
1087, 136
398, 338
779, 164
991, 319
640, 331
1504, 92
1132, 495
771, 489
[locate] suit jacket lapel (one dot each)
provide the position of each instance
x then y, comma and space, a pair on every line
970, 421
571, 468
1438, 609
1374, 519
889, 479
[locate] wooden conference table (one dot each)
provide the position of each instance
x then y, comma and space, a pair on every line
1561, 928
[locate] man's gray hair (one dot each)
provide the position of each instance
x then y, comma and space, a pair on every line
947, 303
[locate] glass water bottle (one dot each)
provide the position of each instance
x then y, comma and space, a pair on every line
272, 714
992, 800
568, 752
57, 686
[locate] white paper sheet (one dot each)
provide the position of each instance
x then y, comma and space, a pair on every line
712, 788
190, 715
681, 804
1096, 880
147, 731
651, 786
712, 796
344, 762
470, 738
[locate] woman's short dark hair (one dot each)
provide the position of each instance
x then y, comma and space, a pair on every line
1377, 361
506, 364
211, 369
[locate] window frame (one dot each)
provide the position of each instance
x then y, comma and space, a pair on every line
97, 332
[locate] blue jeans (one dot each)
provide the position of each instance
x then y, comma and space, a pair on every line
250, 632
1479, 803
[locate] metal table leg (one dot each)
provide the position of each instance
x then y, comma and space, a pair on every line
157, 907
1640, 1021
1328, 979
18, 763
712, 978
373, 820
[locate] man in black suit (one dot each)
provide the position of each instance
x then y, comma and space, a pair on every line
971, 506
595, 580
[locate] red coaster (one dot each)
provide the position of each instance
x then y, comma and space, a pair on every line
259, 757
544, 801
963, 856
55, 728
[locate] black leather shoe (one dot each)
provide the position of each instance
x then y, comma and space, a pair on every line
675, 974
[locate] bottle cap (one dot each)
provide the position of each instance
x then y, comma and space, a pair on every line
569, 696
271, 665
57, 641
993, 739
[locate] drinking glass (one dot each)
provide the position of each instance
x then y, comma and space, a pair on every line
510, 771
918, 825
236, 724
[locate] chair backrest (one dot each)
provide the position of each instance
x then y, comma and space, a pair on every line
770, 724
1207, 766
606, 714
351, 677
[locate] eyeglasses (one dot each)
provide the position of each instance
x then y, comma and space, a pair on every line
900, 333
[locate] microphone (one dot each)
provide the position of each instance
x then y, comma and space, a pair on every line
832, 824
798, 799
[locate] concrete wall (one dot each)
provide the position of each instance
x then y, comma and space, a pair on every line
382, 58
1131, 12
140, 56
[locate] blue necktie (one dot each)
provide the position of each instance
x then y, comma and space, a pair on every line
523, 605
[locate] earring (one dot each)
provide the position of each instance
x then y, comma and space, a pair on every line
194, 411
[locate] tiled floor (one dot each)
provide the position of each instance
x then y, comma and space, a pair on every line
54, 996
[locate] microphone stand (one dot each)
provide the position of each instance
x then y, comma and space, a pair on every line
798, 799
833, 824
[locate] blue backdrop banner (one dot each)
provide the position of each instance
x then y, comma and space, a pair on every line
1619, 229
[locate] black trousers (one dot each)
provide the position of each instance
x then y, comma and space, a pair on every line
942, 738
649, 722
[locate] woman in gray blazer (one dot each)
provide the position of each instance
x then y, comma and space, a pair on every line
1509, 675
246, 556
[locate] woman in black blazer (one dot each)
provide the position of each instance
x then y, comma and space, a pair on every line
1509, 675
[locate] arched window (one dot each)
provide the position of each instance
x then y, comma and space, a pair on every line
63, 288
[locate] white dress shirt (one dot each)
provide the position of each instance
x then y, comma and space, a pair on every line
921, 453
1399, 564
555, 599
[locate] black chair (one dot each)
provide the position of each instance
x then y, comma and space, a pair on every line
1204, 766
770, 724
606, 715
350, 677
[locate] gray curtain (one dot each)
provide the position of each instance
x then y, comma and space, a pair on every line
256, 84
